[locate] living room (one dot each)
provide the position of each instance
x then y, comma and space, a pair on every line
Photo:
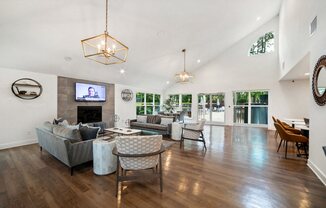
237, 84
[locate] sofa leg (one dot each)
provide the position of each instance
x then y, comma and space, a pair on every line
71, 171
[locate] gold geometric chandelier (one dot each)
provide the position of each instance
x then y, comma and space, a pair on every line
104, 48
184, 77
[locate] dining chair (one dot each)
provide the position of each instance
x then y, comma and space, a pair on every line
289, 136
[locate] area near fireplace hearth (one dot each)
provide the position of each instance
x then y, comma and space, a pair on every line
68, 107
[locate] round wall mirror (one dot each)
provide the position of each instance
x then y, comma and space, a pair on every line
319, 81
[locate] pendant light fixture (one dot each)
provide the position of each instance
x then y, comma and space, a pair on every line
104, 48
184, 77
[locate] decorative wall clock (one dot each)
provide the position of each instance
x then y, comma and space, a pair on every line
126, 95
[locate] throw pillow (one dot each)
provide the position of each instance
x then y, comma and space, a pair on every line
47, 125
166, 121
63, 123
102, 126
88, 133
151, 119
56, 121
142, 119
72, 135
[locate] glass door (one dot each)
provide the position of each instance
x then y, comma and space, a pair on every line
212, 108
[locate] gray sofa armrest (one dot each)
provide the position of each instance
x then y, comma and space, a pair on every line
55, 145
80, 152
133, 120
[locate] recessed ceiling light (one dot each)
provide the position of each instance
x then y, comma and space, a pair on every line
307, 74
198, 61
258, 18
67, 58
122, 71
167, 82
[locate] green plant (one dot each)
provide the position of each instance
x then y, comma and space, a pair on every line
168, 105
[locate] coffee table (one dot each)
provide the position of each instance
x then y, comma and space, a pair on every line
123, 131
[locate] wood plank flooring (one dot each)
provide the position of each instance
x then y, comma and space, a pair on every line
241, 168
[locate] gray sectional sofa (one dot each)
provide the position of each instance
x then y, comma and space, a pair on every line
157, 123
66, 144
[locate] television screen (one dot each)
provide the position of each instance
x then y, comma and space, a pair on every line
90, 92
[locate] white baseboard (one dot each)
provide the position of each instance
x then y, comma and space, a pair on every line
317, 171
17, 143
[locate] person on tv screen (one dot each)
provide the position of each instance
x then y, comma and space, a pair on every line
91, 93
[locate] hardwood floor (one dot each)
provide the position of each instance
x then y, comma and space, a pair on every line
241, 168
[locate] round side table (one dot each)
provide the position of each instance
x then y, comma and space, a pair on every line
103, 161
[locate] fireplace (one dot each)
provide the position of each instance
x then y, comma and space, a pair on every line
88, 114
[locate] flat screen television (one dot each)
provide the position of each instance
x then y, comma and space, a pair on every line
90, 92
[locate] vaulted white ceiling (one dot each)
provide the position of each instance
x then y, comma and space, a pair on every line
37, 35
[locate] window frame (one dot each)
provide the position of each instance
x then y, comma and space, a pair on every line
250, 106
262, 41
179, 105
146, 105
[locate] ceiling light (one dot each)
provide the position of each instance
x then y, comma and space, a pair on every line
122, 71
258, 18
184, 77
167, 82
307, 74
67, 58
104, 48
198, 61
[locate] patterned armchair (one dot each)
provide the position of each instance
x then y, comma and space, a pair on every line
194, 133
138, 153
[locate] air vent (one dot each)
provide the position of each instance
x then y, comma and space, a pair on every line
313, 26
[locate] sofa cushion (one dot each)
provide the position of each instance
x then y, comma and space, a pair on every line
154, 119
149, 126
72, 135
142, 119
166, 121
56, 121
47, 125
88, 132
102, 126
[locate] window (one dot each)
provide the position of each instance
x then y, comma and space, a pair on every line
264, 44
186, 101
211, 107
182, 102
147, 103
140, 103
250, 107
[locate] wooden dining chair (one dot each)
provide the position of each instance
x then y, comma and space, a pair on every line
289, 136
276, 133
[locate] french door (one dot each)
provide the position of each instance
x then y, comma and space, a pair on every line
212, 107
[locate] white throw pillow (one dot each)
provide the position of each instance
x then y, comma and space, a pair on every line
142, 119
166, 121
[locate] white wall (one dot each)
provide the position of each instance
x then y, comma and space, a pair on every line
234, 70
127, 110
20, 117
295, 18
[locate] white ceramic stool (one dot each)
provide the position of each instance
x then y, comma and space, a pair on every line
103, 161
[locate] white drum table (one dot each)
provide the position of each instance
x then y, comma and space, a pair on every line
176, 130
103, 161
